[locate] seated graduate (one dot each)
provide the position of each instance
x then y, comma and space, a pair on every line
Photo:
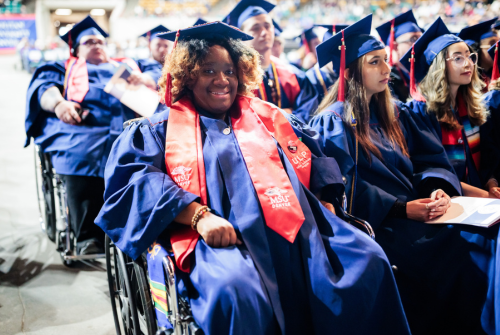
490, 150
480, 37
396, 175
308, 41
323, 78
399, 34
151, 67
283, 84
60, 95
279, 42
451, 106
228, 182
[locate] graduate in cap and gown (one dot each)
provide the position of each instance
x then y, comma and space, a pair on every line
398, 177
159, 48
480, 37
323, 78
72, 119
449, 103
398, 35
228, 182
283, 85
308, 41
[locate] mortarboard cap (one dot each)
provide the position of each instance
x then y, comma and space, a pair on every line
332, 29
346, 46
358, 42
208, 30
277, 29
83, 28
199, 21
403, 23
477, 32
436, 38
246, 9
153, 33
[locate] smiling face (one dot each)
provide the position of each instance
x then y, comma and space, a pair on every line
91, 48
458, 75
261, 28
376, 72
216, 84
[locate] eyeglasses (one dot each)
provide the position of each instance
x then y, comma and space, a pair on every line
91, 42
460, 60
412, 40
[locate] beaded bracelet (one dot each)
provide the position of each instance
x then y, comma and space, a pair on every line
197, 216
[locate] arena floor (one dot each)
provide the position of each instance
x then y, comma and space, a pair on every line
38, 294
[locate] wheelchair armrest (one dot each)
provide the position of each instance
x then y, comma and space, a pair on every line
357, 222
129, 122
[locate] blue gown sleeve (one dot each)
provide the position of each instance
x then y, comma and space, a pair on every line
150, 67
427, 152
141, 200
490, 138
306, 102
339, 142
45, 76
325, 172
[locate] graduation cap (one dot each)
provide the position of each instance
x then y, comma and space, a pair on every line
277, 29
496, 25
153, 33
246, 9
401, 24
204, 31
477, 32
332, 29
307, 36
86, 27
199, 21
346, 46
423, 52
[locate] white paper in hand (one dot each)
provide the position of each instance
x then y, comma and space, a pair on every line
481, 212
138, 98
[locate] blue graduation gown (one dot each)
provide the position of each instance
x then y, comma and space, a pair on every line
80, 150
328, 78
332, 278
488, 144
490, 138
446, 273
150, 67
306, 102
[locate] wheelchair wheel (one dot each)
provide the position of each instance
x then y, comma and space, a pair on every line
45, 193
133, 310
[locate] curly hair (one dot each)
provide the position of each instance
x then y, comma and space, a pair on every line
186, 59
357, 106
436, 90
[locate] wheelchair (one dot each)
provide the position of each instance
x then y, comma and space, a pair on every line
131, 298
131, 301
54, 215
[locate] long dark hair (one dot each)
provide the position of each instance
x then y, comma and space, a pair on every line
358, 107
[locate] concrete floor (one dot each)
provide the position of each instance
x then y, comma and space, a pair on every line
38, 295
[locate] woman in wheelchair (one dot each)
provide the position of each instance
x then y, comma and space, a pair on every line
396, 174
228, 182
74, 121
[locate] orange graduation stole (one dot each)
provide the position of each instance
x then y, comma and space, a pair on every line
255, 123
76, 80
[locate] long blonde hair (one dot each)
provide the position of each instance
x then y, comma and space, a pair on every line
436, 90
358, 107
